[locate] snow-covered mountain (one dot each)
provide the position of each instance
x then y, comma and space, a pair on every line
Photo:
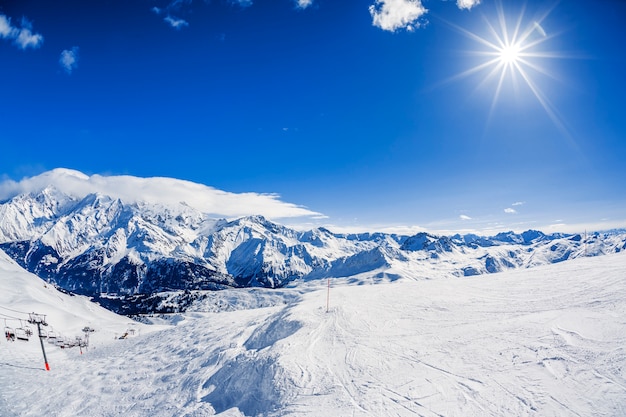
95, 244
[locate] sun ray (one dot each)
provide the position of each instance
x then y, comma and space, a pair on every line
513, 50
496, 95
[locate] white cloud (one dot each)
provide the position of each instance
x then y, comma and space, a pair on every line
510, 210
69, 59
592, 226
159, 190
26, 39
518, 203
6, 30
392, 15
467, 4
303, 4
175, 22
22, 37
464, 217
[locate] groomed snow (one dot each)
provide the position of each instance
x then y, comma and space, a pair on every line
548, 341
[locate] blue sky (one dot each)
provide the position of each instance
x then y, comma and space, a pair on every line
368, 112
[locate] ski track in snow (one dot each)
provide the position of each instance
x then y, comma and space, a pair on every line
548, 341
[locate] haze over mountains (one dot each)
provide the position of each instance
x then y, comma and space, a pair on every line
64, 229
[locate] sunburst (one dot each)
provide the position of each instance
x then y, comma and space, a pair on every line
513, 51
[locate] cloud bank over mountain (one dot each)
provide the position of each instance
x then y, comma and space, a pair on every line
160, 190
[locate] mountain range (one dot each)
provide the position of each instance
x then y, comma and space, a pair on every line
120, 251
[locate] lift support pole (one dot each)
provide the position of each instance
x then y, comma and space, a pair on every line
40, 320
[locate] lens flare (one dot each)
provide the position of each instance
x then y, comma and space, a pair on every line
512, 49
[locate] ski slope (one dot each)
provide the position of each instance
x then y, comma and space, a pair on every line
547, 341
22, 293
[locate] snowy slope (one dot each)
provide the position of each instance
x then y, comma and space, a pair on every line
22, 293
547, 341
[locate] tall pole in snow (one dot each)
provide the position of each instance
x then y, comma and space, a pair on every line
40, 320
328, 295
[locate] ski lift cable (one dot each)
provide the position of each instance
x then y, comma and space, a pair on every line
7, 317
15, 311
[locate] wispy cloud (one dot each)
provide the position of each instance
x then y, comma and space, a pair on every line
467, 4
407, 230
176, 23
465, 217
518, 203
242, 3
23, 37
303, 4
510, 210
6, 29
393, 15
69, 59
165, 191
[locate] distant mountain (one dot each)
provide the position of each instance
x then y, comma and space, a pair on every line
98, 245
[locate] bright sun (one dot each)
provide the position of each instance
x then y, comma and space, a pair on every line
512, 51
509, 54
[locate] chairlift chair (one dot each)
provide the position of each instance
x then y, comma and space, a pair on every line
52, 337
9, 333
21, 334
